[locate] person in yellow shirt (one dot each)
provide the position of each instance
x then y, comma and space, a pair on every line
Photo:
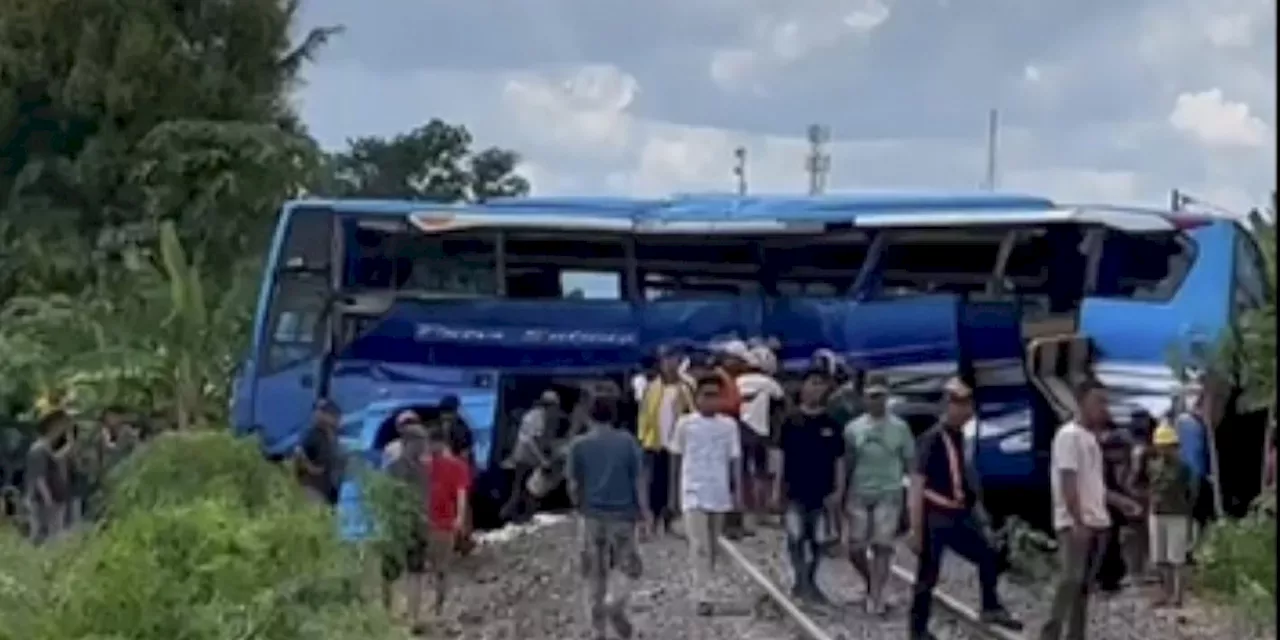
663, 400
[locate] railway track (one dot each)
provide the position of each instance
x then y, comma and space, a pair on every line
844, 621
1125, 616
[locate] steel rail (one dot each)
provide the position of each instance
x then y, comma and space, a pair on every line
810, 628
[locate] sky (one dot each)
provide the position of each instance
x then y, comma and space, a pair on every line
1099, 101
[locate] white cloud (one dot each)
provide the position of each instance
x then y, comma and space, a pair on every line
1216, 122
659, 158
584, 109
774, 39
1231, 30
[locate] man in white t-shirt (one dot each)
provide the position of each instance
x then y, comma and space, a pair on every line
1079, 512
707, 451
760, 391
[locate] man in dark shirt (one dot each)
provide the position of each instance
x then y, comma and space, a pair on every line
45, 477
607, 484
455, 429
318, 459
941, 502
1117, 458
811, 479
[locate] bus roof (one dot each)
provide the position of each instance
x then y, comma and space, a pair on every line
704, 213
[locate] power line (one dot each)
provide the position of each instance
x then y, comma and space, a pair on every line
818, 164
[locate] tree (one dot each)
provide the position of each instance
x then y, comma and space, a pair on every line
433, 162
123, 124
117, 115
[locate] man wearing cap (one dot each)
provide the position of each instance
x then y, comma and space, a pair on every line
664, 399
318, 459
760, 393
395, 448
941, 501
529, 455
405, 465
880, 450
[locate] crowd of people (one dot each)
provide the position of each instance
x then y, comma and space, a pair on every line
65, 467
723, 445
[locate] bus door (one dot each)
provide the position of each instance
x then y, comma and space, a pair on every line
279, 382
991, 344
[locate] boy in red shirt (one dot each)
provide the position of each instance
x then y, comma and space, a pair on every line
449, 488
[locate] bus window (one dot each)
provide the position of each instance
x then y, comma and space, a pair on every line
460, 263
556, 266
590, 285
822, 267
1250, 269
938, 261
307, 240
295, 332
673, 267
1143, 266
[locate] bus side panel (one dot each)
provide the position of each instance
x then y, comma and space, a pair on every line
1135, 339
913, 344
699, 321
502, 334
991, 340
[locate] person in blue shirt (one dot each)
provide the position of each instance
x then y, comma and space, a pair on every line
1193, 444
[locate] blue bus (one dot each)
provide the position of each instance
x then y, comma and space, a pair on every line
385, 305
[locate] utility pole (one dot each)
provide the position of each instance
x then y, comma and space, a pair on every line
740, 169
818, 164
993, 127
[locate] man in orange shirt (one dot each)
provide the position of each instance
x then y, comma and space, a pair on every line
731, 361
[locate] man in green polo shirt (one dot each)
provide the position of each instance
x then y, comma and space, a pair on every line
880, 449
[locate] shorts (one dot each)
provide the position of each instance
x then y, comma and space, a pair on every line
607, 545
755, 451
431, 551
1170, 536
874, 521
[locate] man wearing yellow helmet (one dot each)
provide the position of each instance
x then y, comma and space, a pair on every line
1173, 498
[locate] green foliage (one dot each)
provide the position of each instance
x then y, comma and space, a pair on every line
168, 475
433, 162
205, 541
1250, 350
391, 507
1238, 562
89, 346
1031, 554
125, 126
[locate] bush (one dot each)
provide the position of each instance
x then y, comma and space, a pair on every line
204, 540
1238, 562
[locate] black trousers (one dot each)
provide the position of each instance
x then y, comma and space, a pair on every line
657, 464
960, 533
